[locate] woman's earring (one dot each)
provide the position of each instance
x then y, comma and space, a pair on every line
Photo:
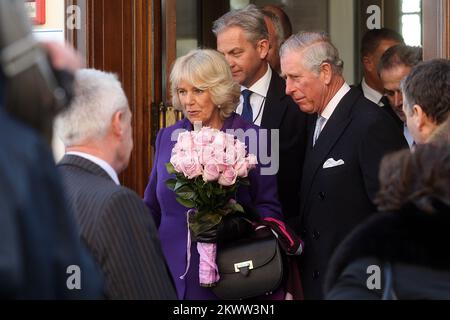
219, 106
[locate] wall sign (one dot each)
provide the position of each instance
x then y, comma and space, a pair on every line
36, 10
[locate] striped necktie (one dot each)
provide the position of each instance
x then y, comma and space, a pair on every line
319, 124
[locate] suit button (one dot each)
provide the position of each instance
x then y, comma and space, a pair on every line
316, 235
316, 274
321, 195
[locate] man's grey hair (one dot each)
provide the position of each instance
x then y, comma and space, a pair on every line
97, 97
250, 20
276, 21
399, 55
428, 85
316, 48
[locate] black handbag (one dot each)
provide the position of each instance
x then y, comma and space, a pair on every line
249, 267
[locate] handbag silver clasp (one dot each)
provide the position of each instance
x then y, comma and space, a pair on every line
248, 264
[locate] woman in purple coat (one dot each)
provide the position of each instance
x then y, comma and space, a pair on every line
203, 88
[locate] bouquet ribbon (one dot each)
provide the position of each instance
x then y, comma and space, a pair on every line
188, 249
208, 271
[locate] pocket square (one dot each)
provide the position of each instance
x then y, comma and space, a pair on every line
330, 163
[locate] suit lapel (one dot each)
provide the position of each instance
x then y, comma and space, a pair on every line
274, 108
388, 109
334, 128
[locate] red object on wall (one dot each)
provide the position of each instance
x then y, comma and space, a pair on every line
36, 10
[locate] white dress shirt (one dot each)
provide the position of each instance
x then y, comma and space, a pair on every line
101, 163
371, 94
258, 97
331, 106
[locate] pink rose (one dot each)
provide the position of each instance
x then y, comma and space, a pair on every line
219, 141
178, 154
241, 168
236, 151
228, 177
189, 165
219, 156
185, 141
174, 160
230, 140
207, 155
230, 156
211, 172
204, 137
241, 150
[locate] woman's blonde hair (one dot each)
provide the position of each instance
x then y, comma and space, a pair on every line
206, 69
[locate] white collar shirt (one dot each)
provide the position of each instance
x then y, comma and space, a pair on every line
331, 106
258, 98
101, 163
371, 94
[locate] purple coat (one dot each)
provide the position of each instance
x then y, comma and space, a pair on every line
170, 216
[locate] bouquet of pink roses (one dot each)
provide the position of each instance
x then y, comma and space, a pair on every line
209, 165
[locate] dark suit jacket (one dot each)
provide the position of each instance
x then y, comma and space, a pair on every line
281, 112
388, 109
38, 235
336, 199
119, 230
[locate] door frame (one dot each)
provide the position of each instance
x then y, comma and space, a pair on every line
137, 67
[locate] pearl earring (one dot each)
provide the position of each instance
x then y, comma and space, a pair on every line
219, 106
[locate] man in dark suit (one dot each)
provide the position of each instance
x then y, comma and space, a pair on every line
373, 44
348, 135
242, 37
115, 223
395, 64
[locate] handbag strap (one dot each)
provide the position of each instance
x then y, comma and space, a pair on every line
388, 292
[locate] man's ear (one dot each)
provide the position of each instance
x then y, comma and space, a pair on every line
420, 118
117, 123
326, 72
368, 63
262, 46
